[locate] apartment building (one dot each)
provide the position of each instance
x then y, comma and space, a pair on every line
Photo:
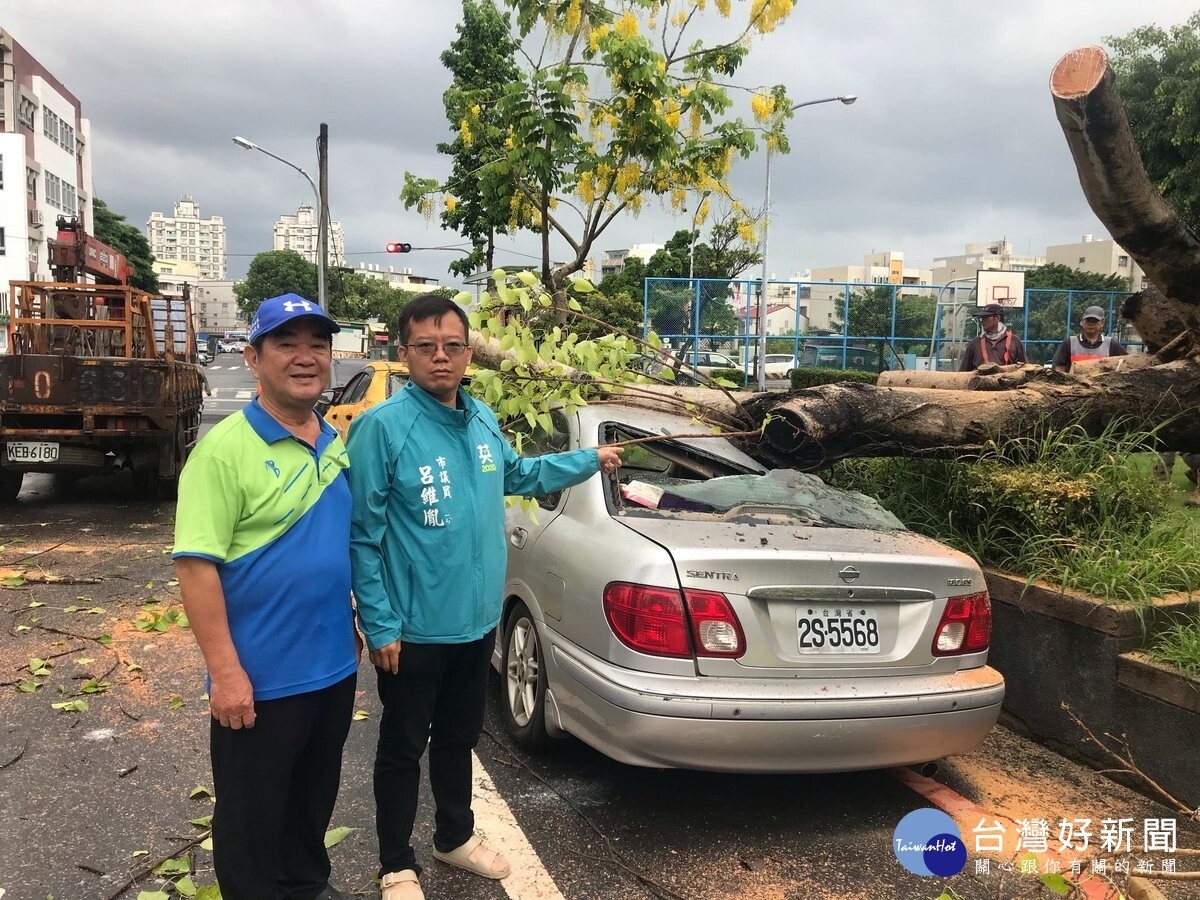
985, 255
299, 233
613, 261
879, 267
1104, 257
403, 279
185, 236
45, 164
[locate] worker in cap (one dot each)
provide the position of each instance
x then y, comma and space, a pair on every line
1089, 345
995, 344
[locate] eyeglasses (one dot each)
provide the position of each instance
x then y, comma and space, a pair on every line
428, 348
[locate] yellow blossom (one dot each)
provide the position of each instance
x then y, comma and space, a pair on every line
723, 8
627, 25
596, 35
747, 232
574, 14
464, 131
763, 106
450, 203
766, 14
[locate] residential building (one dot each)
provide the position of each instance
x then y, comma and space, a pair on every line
214, 306
184, 235
985, 255
1104, 257
781, 318
613, 261
404, 279
299, 233
879, 267
45, 164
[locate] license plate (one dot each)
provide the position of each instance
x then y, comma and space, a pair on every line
838, 629
31, 451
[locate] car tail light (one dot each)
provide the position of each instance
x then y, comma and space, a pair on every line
966, 625
663, 622
648, 619
715, 629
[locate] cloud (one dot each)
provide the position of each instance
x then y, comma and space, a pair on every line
953, 138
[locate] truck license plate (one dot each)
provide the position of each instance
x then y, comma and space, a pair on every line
831, 630
31, 452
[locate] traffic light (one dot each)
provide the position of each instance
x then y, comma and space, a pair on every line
399, 248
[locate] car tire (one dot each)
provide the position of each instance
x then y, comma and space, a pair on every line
523, 681
10, 484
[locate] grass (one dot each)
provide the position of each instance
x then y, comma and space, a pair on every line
1084, 513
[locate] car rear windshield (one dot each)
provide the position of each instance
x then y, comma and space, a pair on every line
665, 478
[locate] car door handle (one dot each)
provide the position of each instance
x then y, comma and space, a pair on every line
518, 537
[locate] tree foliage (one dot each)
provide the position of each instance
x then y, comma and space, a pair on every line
1156, 71
351, 296
111, 228
612, 105
273, 273
1064, 278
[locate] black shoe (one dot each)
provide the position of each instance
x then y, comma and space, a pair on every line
329, 892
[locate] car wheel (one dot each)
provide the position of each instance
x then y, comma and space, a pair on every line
523, 681
10, 484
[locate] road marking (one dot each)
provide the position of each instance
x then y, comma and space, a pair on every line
214, 368
243, 395
529, 879
968, 814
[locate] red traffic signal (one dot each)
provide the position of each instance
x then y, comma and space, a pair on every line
399, 248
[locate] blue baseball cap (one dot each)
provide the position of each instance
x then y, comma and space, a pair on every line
275, 311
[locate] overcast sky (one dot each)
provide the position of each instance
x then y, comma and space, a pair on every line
953, 138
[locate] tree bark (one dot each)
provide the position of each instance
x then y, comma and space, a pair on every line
1115, 183
814, 427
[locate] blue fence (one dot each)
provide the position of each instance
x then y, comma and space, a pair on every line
857, 325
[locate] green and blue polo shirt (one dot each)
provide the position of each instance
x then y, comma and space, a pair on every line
273, 514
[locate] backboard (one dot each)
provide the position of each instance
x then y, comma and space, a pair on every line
1000, 286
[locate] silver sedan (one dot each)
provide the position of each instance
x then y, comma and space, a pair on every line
697, 611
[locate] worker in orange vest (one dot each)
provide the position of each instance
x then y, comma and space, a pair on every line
997, 343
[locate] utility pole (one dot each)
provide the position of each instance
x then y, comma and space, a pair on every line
322, 214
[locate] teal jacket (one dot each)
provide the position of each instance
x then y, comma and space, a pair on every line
427, 547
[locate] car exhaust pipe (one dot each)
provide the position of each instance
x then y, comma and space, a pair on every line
927, 769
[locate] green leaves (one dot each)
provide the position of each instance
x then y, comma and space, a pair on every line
149, 620
79, 705
335, 836
199, 792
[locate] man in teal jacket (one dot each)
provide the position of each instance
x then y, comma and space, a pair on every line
429, 472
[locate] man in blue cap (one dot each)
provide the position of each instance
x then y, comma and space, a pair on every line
262, 552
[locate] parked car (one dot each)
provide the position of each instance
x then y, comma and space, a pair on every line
363, 384
708, 361
694, 610
202, 356
234, 345
779, 365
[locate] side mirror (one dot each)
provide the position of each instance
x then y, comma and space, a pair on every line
327, 399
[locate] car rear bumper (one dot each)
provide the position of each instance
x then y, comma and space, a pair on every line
781, 725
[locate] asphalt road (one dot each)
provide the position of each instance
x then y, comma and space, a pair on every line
94, 799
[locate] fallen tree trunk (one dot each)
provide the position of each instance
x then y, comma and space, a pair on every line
1115, 183
818, 426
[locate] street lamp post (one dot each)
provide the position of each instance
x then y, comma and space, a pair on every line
695, 234
322, 236
845, 99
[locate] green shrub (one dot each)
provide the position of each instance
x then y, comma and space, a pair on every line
811, 376
737, 376
1063, 507
1179, 646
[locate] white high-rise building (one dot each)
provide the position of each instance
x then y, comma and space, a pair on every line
45, 165
299, 233
185, 236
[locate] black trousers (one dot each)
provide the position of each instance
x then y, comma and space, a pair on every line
436, 698
276, 784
